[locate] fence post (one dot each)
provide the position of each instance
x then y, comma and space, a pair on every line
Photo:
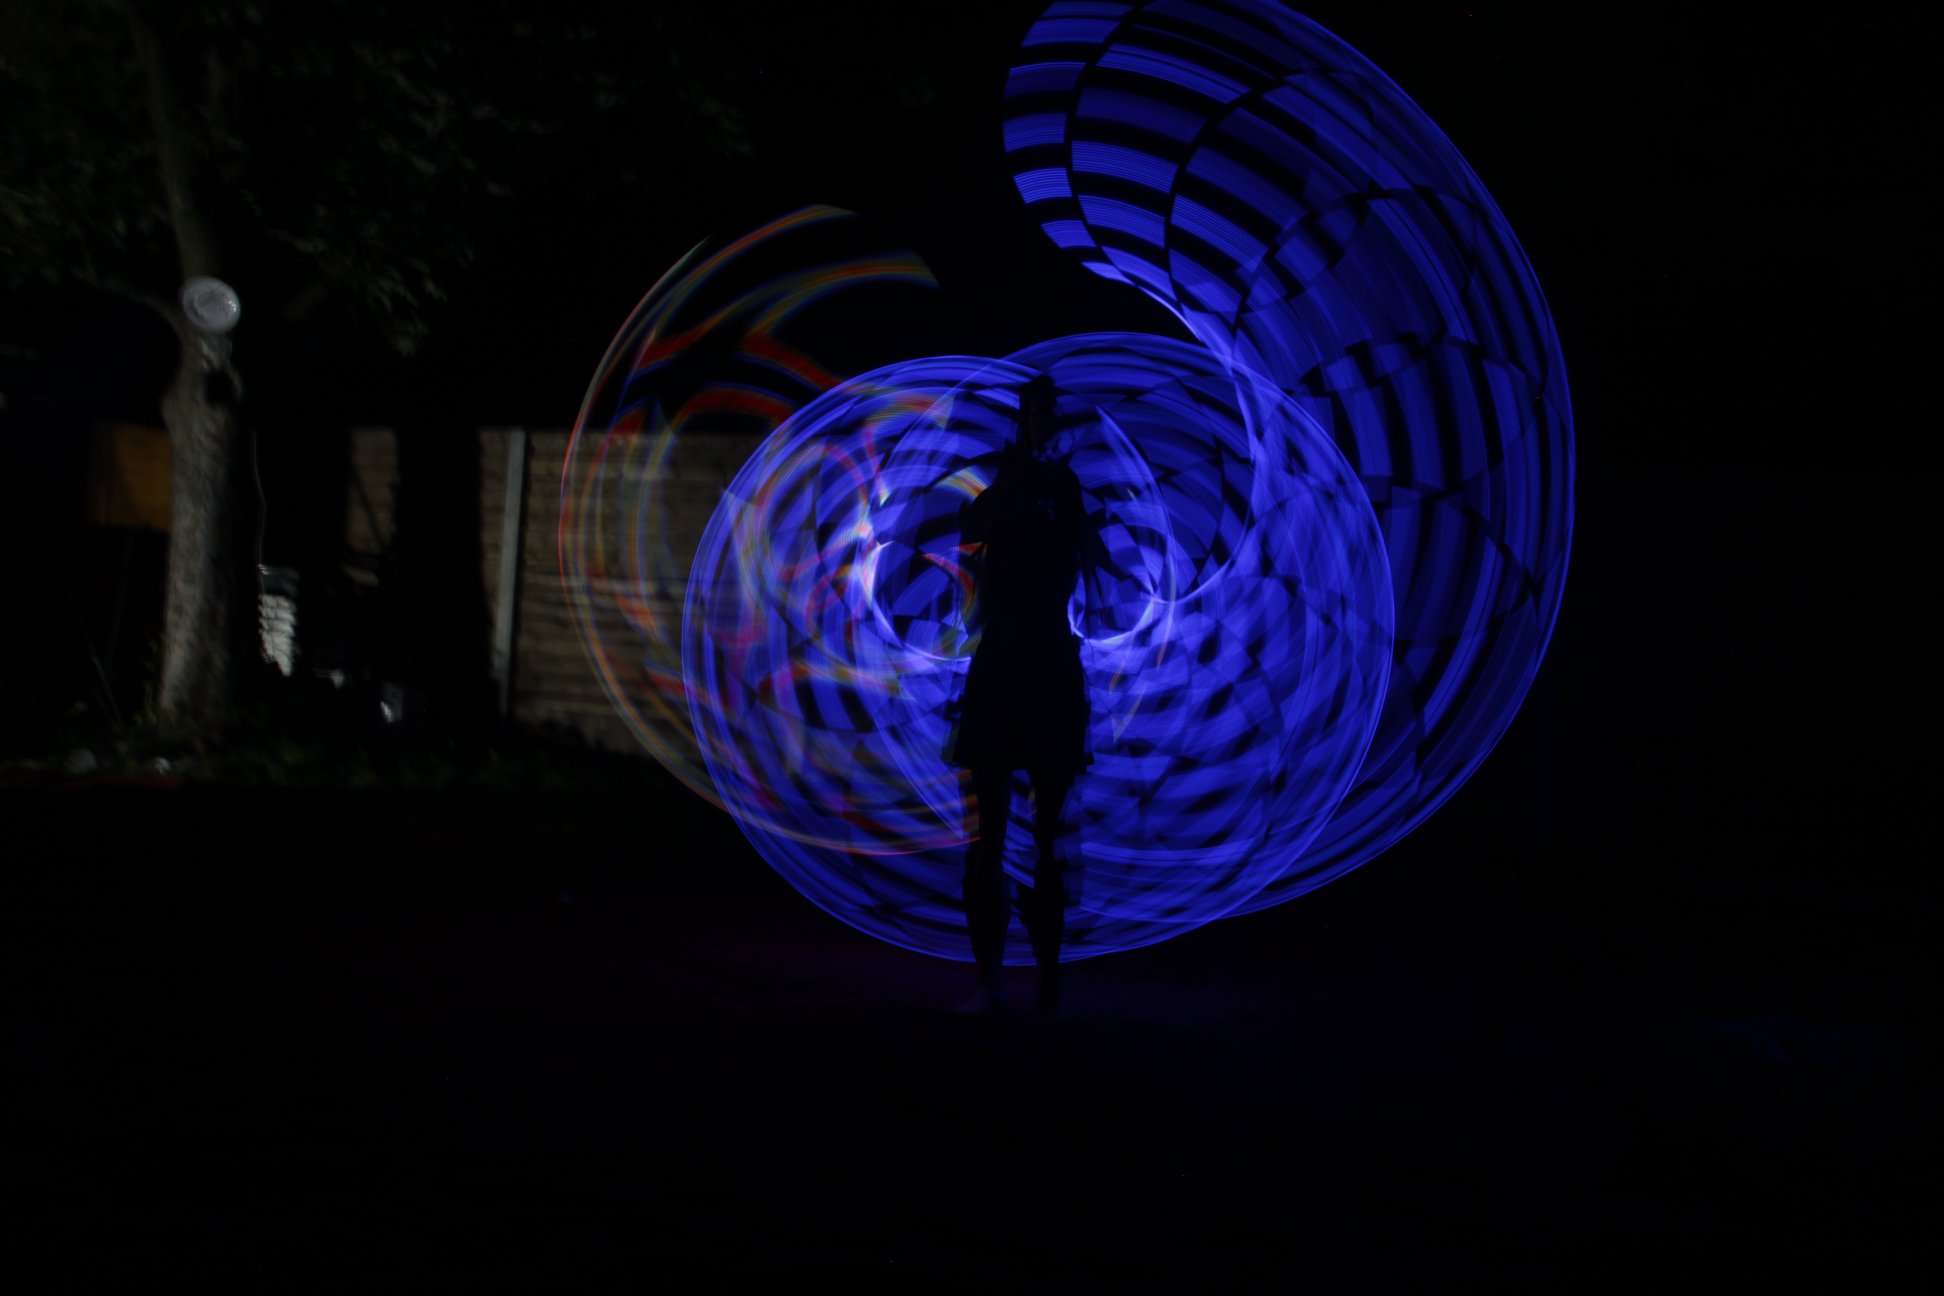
512, 535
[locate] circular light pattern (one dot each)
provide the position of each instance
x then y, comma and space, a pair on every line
1307, 222
1235, 626
706, 366
1331, 537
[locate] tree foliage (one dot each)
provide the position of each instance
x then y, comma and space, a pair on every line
342, 147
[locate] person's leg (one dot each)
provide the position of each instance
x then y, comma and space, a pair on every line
1043, 906
986, 912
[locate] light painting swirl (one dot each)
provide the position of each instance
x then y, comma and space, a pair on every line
1332, 536
1236, 629
706, 365
1306, 221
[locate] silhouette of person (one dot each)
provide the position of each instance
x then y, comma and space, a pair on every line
1025, 699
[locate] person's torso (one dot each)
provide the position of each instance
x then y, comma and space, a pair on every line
1032, 556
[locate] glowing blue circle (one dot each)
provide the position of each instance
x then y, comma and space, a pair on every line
1334, 534
1236, 638
1307, 222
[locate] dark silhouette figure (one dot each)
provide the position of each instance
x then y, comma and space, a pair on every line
1025, 700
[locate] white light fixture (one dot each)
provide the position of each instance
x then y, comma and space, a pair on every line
211, 304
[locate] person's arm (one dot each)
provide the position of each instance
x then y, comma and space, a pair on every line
975, 520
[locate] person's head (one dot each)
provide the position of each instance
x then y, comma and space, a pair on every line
1036, 418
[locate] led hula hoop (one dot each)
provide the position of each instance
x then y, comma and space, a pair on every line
709, 350
1335, 531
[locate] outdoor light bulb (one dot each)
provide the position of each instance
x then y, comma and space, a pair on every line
211, 304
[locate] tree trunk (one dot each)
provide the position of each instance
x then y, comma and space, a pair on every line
198, 628
198, 625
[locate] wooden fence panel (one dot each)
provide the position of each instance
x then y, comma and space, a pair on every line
555, 683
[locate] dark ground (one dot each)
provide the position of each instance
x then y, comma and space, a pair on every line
308, 1041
